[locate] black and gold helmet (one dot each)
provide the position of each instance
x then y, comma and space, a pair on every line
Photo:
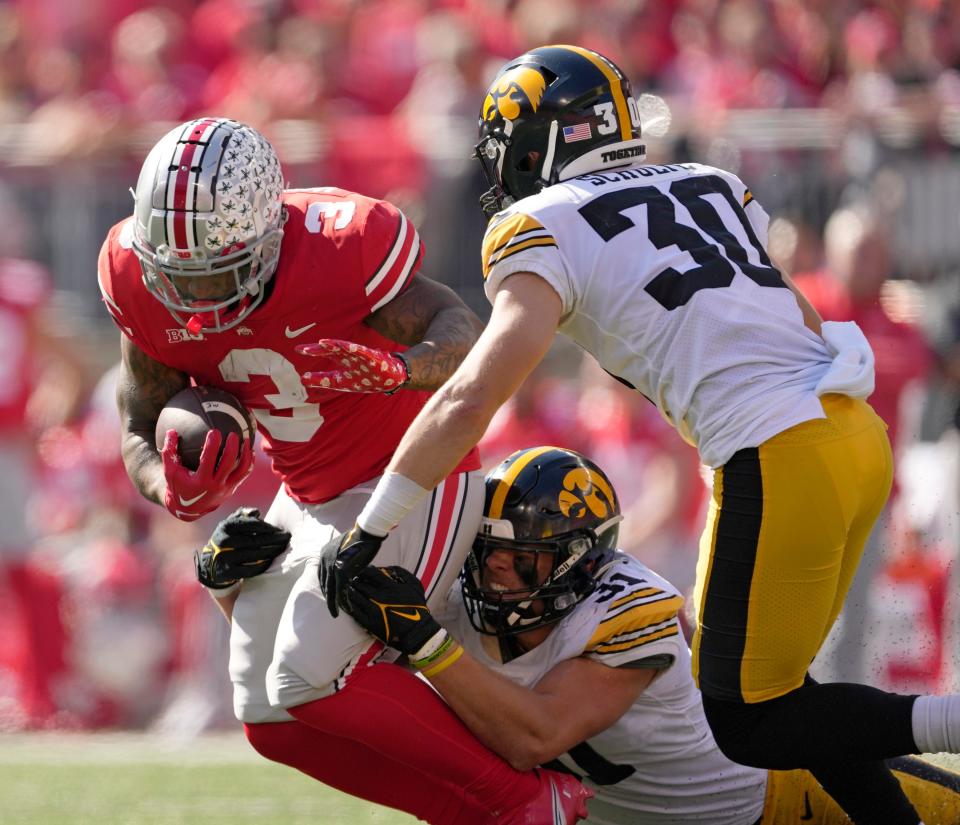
569, 105
541, 500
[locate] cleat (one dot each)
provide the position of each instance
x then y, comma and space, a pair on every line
562, 800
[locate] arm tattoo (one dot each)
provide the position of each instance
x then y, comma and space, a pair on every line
144, 386
436, 325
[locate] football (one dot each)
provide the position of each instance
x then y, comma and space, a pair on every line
195, 411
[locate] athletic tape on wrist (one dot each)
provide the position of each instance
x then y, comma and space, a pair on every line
430, 646
425, 661
429, 674
394, 497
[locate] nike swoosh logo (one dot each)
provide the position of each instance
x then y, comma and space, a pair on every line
807, 811
413, 617
293, 333
186, 502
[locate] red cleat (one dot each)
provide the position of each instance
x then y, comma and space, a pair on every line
562, 800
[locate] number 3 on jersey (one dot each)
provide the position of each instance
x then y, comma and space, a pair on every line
671, 288
304, 419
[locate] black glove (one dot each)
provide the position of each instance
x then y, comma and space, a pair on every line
390, 603
242, 546
341, 559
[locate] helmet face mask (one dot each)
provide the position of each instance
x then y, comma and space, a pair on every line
557, 513
208, 222
552, 114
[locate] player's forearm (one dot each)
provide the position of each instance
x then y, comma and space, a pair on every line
448, 339
451, 423
143, 465
513, 721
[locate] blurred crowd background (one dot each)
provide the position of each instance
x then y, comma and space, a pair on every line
843, 117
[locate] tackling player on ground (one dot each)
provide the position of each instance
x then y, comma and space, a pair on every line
224, 278
661, 273
597, 671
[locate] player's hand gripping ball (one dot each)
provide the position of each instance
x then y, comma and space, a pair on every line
205, 437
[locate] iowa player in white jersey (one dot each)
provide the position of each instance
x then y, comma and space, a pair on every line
661, 273
597, 670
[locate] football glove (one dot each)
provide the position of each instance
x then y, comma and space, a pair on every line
360, 368
242, 546
389, 602
341, 559
190, 495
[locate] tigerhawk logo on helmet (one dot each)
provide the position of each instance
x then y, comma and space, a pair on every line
584, 490
550, 115
528, 83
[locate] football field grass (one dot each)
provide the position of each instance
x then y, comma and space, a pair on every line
138, 779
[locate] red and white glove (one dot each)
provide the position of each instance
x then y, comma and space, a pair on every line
193, 494
361, 369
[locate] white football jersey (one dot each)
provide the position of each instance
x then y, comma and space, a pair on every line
659, 762
665, 280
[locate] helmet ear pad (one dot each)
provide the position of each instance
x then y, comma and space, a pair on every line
523, 162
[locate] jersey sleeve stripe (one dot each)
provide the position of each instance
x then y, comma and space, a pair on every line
608, 648
400, 278
640, 600
639, 617
501, 235
387, 270
517, 240
646, 592
387, 262
115, 312
535, 231
515, 248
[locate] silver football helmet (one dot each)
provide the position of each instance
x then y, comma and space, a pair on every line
208, 220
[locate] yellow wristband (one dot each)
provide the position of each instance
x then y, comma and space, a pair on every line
444, 664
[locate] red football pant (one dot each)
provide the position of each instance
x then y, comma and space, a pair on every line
389, 738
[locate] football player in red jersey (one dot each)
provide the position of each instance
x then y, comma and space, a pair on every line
307, 306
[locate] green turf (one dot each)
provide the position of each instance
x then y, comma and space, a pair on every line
136, 780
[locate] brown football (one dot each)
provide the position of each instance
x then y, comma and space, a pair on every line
195, 411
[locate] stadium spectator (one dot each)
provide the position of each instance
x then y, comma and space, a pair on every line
598, 669
661, 272
41, 382
225, 281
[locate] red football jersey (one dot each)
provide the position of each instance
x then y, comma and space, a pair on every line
343, 257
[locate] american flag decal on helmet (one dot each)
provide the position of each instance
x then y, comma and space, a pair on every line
581, 131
